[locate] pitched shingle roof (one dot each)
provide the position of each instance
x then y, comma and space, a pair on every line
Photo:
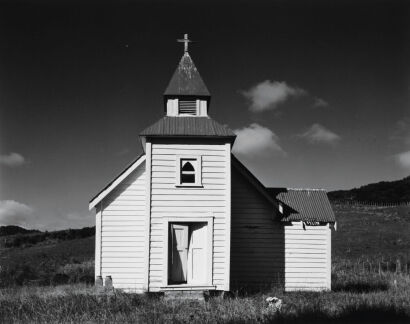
310, 205
186, 80
188, 126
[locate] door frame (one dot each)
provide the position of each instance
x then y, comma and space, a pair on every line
189, 218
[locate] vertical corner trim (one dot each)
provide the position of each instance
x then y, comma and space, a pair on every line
148, 164
98, 239
228, 217
329, 258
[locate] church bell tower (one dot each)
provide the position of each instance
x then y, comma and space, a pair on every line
186, 93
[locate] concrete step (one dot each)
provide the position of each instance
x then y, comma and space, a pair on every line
184, 295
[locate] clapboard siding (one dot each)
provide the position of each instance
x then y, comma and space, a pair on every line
167, 199
307, 257
257, 246
265, 251
123, 232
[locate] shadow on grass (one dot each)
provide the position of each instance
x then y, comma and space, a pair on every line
361, 287
361, 314
359, 283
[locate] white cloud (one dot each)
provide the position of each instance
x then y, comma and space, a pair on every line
402, 131
256, 140
317, 134
71, 220
319, 102
403, 159
269, 94
12, 159
15, 213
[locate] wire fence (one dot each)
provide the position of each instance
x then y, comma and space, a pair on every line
369, 203
399, 264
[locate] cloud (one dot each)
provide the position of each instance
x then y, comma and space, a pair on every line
269, 94
15, 213
402, 131
71, 220
256, 140
12, 160
319, 103
403, 159
318, 134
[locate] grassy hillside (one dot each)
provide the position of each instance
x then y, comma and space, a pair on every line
371, 232
382, 192
44, 258
360, 295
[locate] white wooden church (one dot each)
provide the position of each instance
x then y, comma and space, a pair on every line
188, 215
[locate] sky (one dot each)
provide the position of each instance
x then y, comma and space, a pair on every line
316, 91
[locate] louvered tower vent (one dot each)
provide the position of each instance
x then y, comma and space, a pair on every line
187, 107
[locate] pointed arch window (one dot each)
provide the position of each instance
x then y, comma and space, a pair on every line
189, 171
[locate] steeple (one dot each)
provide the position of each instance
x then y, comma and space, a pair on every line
186, 105
186, 80
186, 93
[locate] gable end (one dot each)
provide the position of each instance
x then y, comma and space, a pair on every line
114, 183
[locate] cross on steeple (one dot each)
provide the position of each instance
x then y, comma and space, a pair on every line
185, 40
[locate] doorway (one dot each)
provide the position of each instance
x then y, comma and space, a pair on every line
187, 253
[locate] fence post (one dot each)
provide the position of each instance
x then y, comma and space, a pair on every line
398, 266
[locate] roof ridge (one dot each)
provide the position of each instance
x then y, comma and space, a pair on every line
306, 189
188, 126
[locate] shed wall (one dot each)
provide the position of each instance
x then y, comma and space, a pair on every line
123, 239
307, 257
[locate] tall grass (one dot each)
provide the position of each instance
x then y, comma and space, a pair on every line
27, 274
356, 298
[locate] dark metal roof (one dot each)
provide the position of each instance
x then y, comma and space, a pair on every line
188, 126
186, 80
310, 205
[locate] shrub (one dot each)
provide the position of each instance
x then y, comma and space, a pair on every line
79, 272
60, 279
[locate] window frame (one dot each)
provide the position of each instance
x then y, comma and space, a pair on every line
196, 163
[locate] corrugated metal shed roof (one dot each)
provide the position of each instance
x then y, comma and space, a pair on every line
188, 126
310, 205
186, 80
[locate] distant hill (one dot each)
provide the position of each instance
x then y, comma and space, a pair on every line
381, 192
15, 236
13, 230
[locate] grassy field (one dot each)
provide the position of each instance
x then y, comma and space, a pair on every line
372, 232
381, 302
359, 292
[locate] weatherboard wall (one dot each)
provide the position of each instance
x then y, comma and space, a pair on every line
212, 199
307, 256
122, 233
257, 246
265, 251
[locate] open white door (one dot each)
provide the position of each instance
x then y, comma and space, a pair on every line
197, 254
179, 253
